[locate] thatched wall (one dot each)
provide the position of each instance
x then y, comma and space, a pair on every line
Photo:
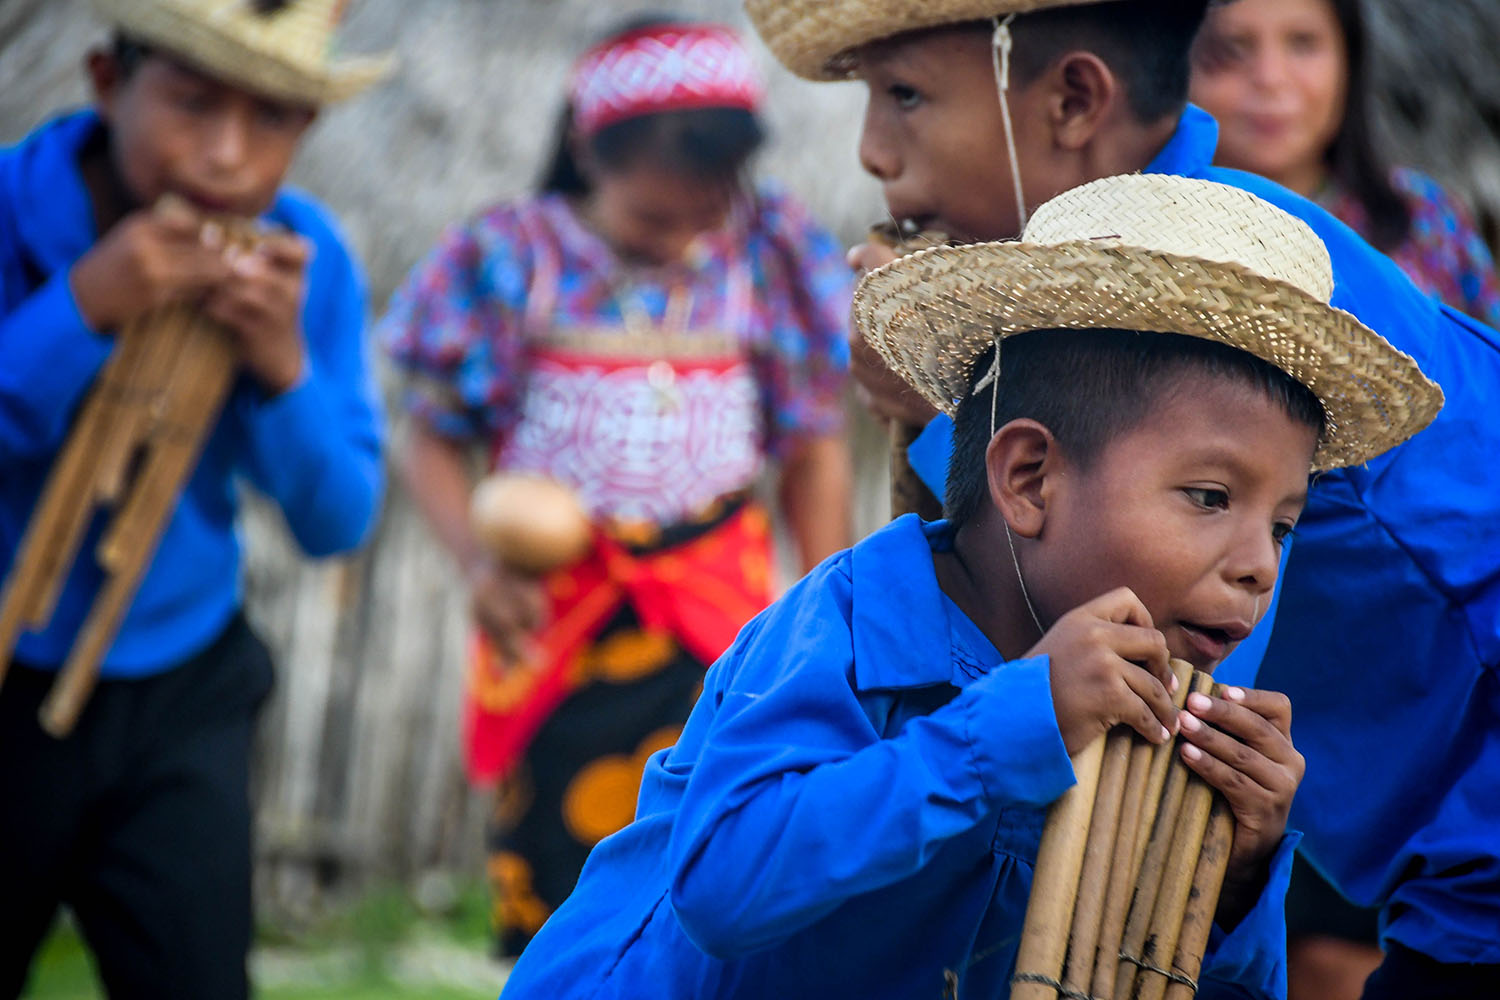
358, 770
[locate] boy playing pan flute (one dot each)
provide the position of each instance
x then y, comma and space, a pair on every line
1387, 634
139, 821
855, 805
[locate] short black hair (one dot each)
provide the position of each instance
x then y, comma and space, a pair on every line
1090, 386
1147, 43
707, 144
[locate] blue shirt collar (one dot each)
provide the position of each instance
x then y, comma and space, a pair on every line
896, 601
58, 224
1190, 151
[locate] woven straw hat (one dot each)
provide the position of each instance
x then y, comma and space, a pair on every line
284, 54
1160, 254
814, 38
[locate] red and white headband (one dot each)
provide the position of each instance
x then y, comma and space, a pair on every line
666, 67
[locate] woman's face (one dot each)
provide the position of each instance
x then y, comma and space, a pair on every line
1275, 73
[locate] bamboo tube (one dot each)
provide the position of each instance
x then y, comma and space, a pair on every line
909, 495
1154, 865
1176, 887
198, 386
1208, 882
1049, 913
1103, 831
1144, 781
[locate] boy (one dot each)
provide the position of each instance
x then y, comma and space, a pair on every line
1388, 632
139, 821
856, 802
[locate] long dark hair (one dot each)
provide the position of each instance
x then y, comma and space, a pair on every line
709, 144
1355, 159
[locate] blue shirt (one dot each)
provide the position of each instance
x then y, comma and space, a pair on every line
1387, 626
853, 809
315, 449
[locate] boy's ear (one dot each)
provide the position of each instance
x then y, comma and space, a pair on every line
1083, 94
1021, 458
107, 77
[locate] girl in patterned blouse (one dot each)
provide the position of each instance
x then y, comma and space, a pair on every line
649, 330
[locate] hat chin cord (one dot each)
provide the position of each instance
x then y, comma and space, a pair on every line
1000, 48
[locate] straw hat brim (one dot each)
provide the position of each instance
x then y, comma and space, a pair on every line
931, 314
223, 56
816, 39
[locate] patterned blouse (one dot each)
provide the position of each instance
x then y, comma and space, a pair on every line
1444, 254
461, 322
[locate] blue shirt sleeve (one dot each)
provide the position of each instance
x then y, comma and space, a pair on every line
48, 358
1250, 960
315, 449
796, 803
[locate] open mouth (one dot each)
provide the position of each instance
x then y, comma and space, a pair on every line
1212, 643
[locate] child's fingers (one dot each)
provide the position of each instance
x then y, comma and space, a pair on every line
1144, 646
1151, 712
286, 250
1245, 767
1273, 706
1122, 606
1267, 736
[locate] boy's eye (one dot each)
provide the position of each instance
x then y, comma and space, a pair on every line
1281, 532
1207, 497
906, 97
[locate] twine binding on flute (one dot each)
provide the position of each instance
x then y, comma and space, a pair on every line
1071, 994
1172, 977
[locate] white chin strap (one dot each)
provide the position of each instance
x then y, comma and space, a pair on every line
1000, 48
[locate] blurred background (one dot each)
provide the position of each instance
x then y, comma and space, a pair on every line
366, 825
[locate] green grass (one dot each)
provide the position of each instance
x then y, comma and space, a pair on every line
355, 955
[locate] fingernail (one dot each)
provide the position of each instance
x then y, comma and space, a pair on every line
1191, 752
1199, 702
211, 235
1175, 684
1234, 694
1163, 736
1190, 722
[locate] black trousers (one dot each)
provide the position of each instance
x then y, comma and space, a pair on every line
139, 822
1410, 975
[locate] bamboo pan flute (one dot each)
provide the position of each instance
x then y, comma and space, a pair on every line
1128, 877
908, 493
134, 443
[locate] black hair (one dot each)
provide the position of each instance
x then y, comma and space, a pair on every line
1147, 43
1355, 159
707, 144
1090, 386
128, 54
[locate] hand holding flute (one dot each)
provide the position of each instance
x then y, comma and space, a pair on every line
1141, 856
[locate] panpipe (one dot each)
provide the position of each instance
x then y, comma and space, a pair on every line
131, 449
1128, 876
908, 493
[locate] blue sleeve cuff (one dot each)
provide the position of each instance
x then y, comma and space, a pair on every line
1253, 955
48, 358
930, 452
1012, 727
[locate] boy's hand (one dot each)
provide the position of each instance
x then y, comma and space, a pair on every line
261, 303
1109, 667
148, 259
1242, 745
507, 605
880, 390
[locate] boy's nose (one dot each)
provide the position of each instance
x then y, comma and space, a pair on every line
228, 142
876, 153
1255, 561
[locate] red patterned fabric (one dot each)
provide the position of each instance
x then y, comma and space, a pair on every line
701, 592
674, 67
